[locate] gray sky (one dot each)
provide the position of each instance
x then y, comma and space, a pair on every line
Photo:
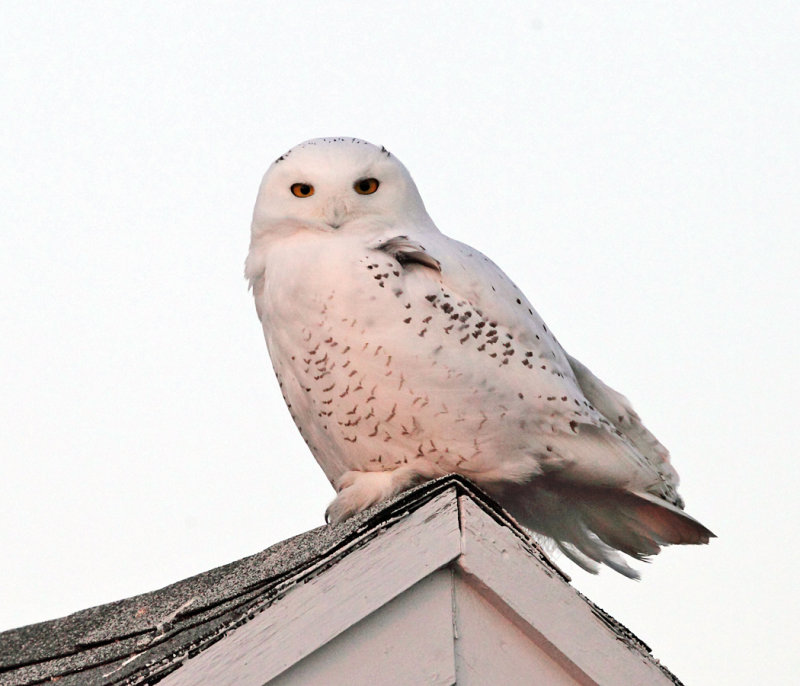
633, 166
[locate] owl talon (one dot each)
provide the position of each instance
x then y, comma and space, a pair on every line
356, 492
359, 490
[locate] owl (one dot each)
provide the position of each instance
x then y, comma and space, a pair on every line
404, 355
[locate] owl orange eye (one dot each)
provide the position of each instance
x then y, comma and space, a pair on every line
302, 190
366, 186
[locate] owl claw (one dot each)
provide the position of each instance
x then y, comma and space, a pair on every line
356, 492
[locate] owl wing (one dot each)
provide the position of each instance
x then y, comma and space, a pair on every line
606, 444
614, 489
619, 411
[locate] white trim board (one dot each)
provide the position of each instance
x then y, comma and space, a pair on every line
386, 592
313, 613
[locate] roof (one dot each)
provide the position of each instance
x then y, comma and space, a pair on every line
143, 639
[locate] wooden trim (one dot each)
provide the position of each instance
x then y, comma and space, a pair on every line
317, 609
546, 608
407, 641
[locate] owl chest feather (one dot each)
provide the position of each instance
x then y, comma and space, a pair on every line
382, 364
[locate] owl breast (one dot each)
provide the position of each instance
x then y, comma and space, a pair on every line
381, 365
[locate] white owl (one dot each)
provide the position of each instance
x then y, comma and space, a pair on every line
404, 355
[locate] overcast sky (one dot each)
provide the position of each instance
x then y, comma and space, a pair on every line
633, 166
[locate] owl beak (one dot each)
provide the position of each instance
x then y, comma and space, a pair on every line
336, 213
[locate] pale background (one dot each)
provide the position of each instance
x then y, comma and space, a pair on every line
633, 166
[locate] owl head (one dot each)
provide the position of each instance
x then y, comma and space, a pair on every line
336, 184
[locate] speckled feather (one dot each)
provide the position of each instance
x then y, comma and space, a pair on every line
403, 354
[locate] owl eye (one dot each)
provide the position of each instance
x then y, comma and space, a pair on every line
302, 190
366, 186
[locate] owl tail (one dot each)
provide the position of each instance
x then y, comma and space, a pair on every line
591, 526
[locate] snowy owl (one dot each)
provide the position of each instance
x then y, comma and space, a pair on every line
404, 355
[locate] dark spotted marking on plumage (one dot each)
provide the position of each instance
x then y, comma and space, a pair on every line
407, 320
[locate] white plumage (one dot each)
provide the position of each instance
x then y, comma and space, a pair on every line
404, 355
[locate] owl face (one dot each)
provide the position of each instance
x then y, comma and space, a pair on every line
336, 184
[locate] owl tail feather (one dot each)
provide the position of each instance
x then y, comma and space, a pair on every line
591, 526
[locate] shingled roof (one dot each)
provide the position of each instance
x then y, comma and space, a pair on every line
143, 639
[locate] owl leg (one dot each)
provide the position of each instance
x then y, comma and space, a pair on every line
358, 490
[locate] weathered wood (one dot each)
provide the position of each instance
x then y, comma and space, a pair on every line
545, 607
407, 641
313, 613
492, 650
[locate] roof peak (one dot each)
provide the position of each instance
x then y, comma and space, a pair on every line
139, 638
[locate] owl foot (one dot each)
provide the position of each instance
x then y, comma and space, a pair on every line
358, 490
